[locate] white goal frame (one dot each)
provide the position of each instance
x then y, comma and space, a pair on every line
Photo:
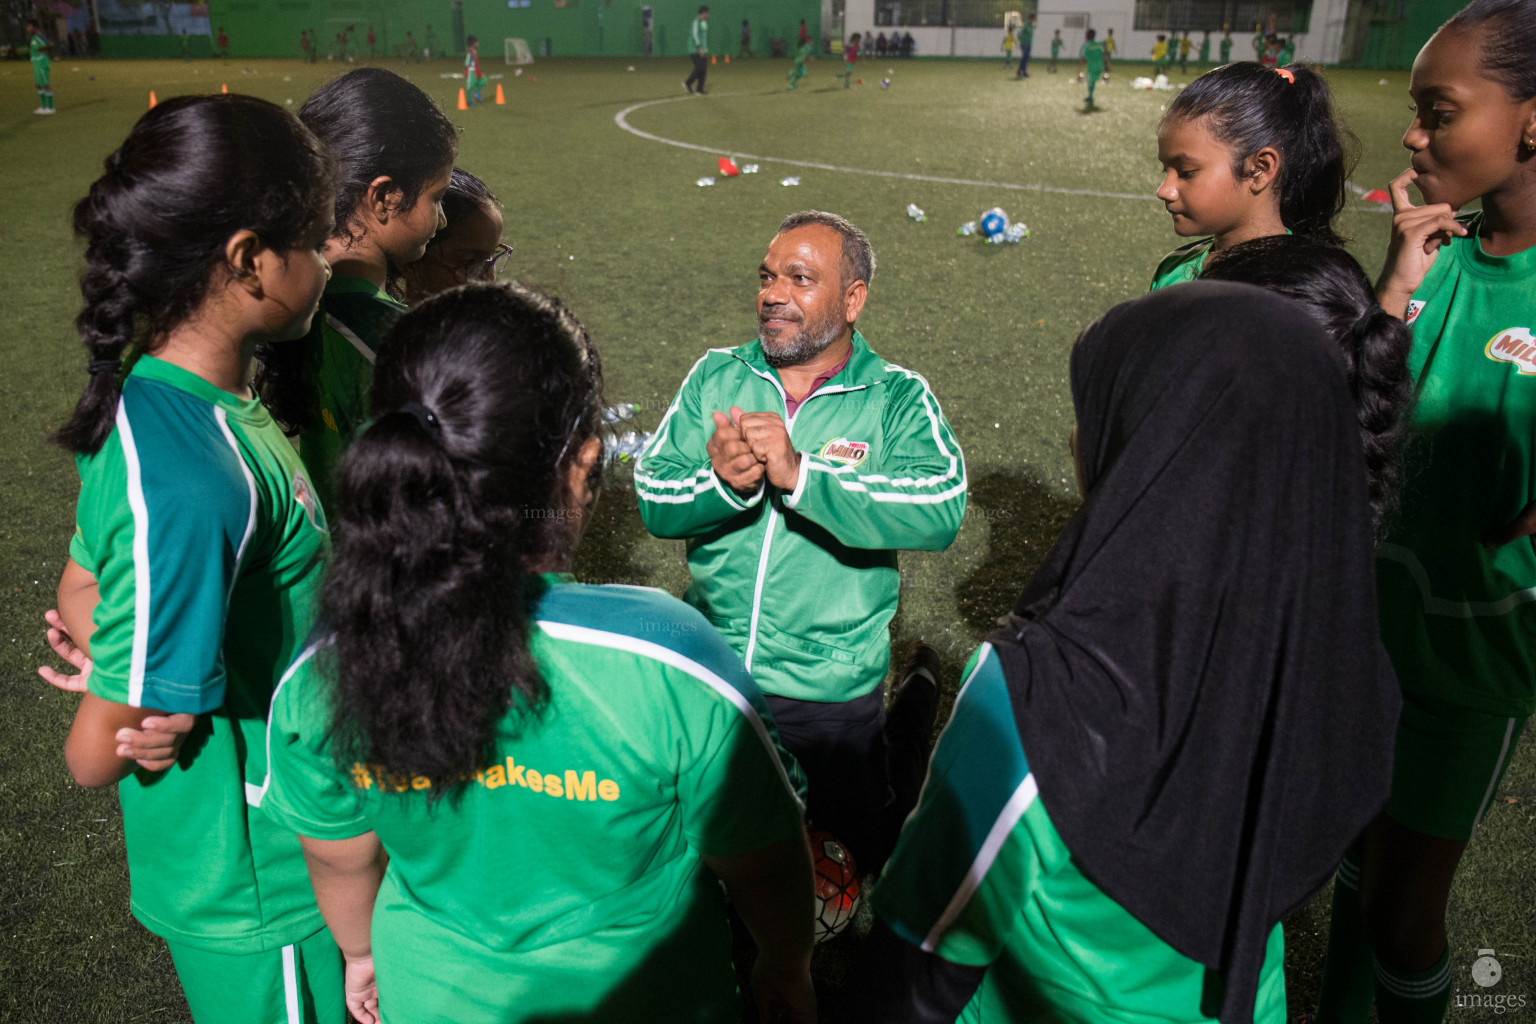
518, 52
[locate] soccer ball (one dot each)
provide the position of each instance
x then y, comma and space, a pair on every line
837, 884
1082, 76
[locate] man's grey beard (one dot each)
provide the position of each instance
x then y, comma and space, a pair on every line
806, 344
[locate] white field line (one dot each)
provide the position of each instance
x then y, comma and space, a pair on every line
622, 120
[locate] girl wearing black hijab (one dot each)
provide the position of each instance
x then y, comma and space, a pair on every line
1188, 716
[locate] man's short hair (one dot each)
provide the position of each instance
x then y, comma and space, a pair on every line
858, 254
703, 8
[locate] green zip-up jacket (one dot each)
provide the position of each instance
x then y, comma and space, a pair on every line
803, 584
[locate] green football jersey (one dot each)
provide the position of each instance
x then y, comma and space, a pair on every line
1226, 50
980, 877
1026, 36
1093, 53
1055, 48
566, 881
208, 544
38, 48
1460, 620
1183, 264
338, 371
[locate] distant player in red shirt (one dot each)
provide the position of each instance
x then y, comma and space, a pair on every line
850, 58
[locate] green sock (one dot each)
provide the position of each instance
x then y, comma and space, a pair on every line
1349, 977
49, 94
1414, 997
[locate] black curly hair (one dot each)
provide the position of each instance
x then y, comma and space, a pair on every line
1328, 282
482, 396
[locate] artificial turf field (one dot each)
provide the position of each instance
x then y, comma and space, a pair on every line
660, 269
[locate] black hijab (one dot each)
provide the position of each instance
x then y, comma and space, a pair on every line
1196, 670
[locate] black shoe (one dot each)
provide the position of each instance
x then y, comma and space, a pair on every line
916, 691
703, 93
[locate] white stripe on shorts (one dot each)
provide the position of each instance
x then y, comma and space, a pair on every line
291, 984
1498, 767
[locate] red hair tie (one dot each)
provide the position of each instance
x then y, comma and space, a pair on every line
1285, 73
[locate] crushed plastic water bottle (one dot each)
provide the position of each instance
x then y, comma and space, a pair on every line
885, 83
968, 228
623, 449
789, 181
620, 412
915, 213
1017, 232
749, 168
706, 182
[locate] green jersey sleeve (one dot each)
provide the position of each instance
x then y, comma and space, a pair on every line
305, 790
963, 866
1181, 265
678, 491
916, 499
167, 508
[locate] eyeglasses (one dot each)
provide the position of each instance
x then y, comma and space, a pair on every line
488, 269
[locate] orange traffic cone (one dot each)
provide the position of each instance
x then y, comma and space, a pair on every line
727, 58
152, 100
501, 97
225, 88
463, 103
713, 59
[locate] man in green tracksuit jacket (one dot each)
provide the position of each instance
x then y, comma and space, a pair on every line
796, 466
698, 43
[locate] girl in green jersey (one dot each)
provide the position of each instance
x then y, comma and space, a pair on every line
199, 548
394, 149
1247, 152
1457, 568
560, 775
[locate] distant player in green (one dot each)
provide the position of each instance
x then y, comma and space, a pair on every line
473, 80
798, 71
698, 50
1226, 48
1260, 43
429, 41
563, 779
1287, 52
1089, 845
1248, 152
1456, 570
1095, 64
395, 152
1026, 41
41, 66
200, 545
1184, 54
1205, 49
1055, 51
1008, 43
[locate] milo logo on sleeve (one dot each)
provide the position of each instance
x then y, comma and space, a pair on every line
1514, 345
849, 453
1414, 308
305, 495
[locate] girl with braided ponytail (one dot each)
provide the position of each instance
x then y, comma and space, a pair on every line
1247, 152
1333, 289
199, 550
560, 774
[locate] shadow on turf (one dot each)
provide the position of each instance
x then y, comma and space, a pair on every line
1024, 517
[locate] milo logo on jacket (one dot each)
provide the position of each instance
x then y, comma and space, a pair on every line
840, 449
1514, 345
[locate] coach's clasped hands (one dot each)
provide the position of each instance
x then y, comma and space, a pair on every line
747, 446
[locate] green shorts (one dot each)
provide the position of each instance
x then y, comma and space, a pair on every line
1448, 764
297, 984
40, 70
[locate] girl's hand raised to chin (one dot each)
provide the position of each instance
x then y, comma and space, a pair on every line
1418, 232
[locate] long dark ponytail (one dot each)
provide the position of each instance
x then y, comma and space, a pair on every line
1248, 107
482, 396
1335, 291
191, 173
375, 123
